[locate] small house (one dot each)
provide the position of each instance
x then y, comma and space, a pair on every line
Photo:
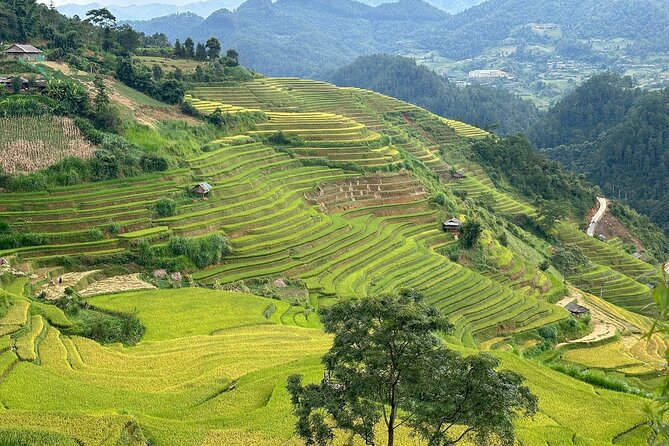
452, 225
202, 189
576, 310
24, 52
459, 175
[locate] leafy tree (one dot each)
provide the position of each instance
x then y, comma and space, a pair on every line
101, 97
157, 72
179, 51
189, 48
470, 233
387, 365
213, 47
128, 39
200, 52
101, 17
171, 91
567, 260
232, 57
70, 42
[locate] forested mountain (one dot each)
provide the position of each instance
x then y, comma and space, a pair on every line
546, 47
129, 11
402, 78
618, 136
598, 104
305, 37
640, 22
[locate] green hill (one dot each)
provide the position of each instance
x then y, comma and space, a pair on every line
345, 201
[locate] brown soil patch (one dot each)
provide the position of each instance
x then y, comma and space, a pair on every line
368, 191
610, 227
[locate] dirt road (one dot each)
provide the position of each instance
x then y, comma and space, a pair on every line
603, 206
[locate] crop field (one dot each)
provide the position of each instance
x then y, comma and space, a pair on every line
613, 274
216, 375
345, 204
32, 143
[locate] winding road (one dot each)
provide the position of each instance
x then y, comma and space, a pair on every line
603, 206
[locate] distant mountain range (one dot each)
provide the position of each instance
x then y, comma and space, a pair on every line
532, 39
124, 11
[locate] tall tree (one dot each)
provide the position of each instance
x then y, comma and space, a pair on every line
189, 48
128, 39
200, 52
178, 49
213, 47
387, 365
233, 57
101, 17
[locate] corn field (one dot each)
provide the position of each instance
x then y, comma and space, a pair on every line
32, 143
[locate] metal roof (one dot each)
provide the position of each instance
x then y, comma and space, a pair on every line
575, 308
206, 186
25, 49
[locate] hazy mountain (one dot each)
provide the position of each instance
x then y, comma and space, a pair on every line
129, 11
149, 11
306, 37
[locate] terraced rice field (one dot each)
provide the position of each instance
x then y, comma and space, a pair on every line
613, 274
212, 366
216, 374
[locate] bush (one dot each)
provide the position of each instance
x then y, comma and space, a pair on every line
470, 233
567, 260
202, 252
23, 106
543, 266
453, 253
113, 227
95, 234
165, 207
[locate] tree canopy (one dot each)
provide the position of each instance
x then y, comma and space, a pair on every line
388, 366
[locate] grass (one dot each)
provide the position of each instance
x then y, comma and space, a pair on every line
214, 311
186, 386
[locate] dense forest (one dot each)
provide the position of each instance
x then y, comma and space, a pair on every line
617, 135
598, 104
403, 78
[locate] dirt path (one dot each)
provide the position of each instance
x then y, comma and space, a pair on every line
603, 206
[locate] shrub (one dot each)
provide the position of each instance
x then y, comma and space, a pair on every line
470, 233
113, 227
202, 252
165, 207
95, 234
543, 266
567, 260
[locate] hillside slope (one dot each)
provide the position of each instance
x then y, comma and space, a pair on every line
318, 193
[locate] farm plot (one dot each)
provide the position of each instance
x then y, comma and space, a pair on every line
373, 190
217, 374
32, 143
